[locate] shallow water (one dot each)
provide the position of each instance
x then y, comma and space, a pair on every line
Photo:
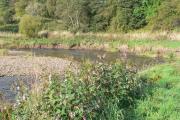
8, 85
92, 55
5, 87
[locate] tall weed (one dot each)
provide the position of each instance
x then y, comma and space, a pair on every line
100, 91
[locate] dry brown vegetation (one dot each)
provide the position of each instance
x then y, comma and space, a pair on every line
122, 36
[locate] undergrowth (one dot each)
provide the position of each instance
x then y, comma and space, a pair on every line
101, 91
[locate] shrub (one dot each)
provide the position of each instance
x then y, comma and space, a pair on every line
96, 92
30, 25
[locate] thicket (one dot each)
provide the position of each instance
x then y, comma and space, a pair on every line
30, 25
103, 91
95, 15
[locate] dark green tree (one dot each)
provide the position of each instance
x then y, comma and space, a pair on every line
6, 11
20, 7
102, 13
167, 16
74, 14
127, 17
51, 7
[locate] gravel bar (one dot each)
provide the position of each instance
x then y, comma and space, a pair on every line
21, 65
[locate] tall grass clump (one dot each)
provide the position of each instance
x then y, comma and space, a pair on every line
96, 92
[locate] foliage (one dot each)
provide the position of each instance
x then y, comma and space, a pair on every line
104, 15
20, 6
150, 7
105, 92
127, 17
74, 14
30, 25
35, 9
167, 17
9, 28
101, 14
51, 9
96, 92
6, 12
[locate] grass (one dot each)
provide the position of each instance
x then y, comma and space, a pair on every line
149, 44
164, 102
147, 47
112, 44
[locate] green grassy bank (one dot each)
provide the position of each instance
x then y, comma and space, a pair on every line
142, 46
164, 101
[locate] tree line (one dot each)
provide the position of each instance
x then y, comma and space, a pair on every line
94, 15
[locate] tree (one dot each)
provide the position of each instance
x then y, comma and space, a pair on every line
101, 14
127, 17
20, 7
94, 15
6, 11
51, 7
35, 9
75, 14
150, 7
167, 16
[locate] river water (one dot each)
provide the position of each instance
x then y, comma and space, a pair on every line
9, 84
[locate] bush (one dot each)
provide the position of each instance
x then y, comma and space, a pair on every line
97, 92
30, 25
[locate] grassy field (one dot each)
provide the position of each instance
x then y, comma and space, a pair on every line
164, 101
93, 40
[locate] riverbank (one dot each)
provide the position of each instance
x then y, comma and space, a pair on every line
142, 45
21, 65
